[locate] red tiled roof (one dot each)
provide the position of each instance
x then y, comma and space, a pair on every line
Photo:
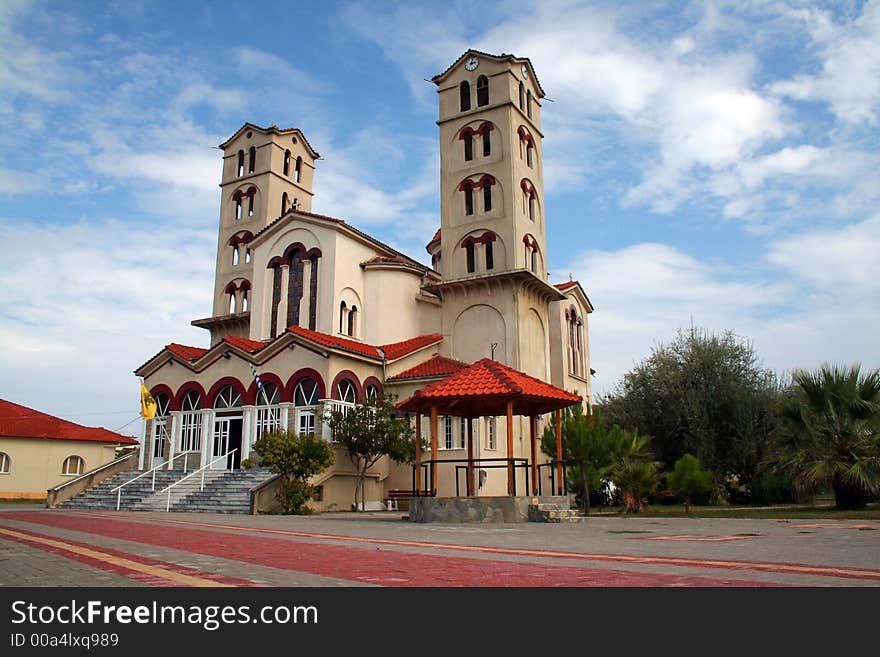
566, 285
392, 351
394, 259
335, 342
250, 346
484, 387
398, 349
185, 352
435, 366
18, 421
436, 237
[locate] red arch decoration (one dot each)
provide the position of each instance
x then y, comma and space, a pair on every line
302, 374
525, 135
528, 188
177, 401
222, 383
471, 131
467, 182
268, 377
240, 238
162, 389
488, 236
348, 374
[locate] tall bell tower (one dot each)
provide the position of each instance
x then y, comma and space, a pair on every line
492, 253
266, 171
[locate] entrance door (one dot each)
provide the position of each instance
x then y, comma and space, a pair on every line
160, 440
305, 420
227, 436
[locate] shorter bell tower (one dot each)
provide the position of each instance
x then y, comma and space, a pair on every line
266, 171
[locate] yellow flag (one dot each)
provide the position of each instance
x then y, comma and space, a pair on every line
148, 404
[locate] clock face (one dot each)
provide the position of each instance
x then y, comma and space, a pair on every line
472, 63
525, 72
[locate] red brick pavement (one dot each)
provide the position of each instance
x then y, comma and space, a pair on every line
363, 564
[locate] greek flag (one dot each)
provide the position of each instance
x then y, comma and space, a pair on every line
257, 379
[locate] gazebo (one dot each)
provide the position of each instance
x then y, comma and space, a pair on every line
488, 388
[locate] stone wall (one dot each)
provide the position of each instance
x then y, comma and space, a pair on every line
478, 509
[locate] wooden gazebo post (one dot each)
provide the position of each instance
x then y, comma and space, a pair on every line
418, 454
533, 434
470, 452
434, 449
511, 483
559, 484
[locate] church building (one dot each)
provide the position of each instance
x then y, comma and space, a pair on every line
327, 315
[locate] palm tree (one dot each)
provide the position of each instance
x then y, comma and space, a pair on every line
830, 438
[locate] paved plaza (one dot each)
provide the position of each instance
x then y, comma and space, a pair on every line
40, 547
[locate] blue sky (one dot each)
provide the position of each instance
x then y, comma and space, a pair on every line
714, 162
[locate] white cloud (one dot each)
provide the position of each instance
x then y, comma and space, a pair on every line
849, 80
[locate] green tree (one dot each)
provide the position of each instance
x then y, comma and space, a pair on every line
592, 450
297, 458
637, 480
702, 394
831, 433
687, 480
370, 431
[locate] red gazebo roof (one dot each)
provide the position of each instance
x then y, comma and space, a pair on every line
484, 389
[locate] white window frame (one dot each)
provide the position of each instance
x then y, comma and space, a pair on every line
491, 433
5, 463
73, 458
448, 433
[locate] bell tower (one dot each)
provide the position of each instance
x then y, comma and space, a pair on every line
266, 171
492, 252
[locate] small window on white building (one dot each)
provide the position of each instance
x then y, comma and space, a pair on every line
447, 432
73, 465
4, 463
491, 426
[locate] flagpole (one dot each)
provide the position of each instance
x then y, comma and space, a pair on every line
143, 448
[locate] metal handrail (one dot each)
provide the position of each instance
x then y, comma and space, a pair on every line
93, 472
118, 489
194, 472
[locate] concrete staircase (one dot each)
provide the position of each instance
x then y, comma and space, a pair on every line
554, 511
224, 492
100, 497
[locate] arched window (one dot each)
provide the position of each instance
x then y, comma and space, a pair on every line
227, 398
297, 170
191, 422
464, 91
305, 399
232, 303
522, 96
471, 257
73, 465
371, 392
251, 194
528, 154
482, 91
244, 299
487, 195
240, 168
468, 146
489, 245
268, 409
468, 198
529, 104
4, 463
343, 319
287, 162
252, 159
283, 202
346, 391
352, 321
534, 263
487, 143
305, 393
237, 205
234, 255
532, 207
247, 254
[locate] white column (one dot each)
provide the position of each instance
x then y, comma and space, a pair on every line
282, 304
248, 430
174, 438
207, 435
304, 305
147, 425
284, 416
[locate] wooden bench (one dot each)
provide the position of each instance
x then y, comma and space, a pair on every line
395, 495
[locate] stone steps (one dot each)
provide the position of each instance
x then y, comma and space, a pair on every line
554, 512
224, 492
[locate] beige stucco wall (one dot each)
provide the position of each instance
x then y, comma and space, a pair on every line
36, 464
